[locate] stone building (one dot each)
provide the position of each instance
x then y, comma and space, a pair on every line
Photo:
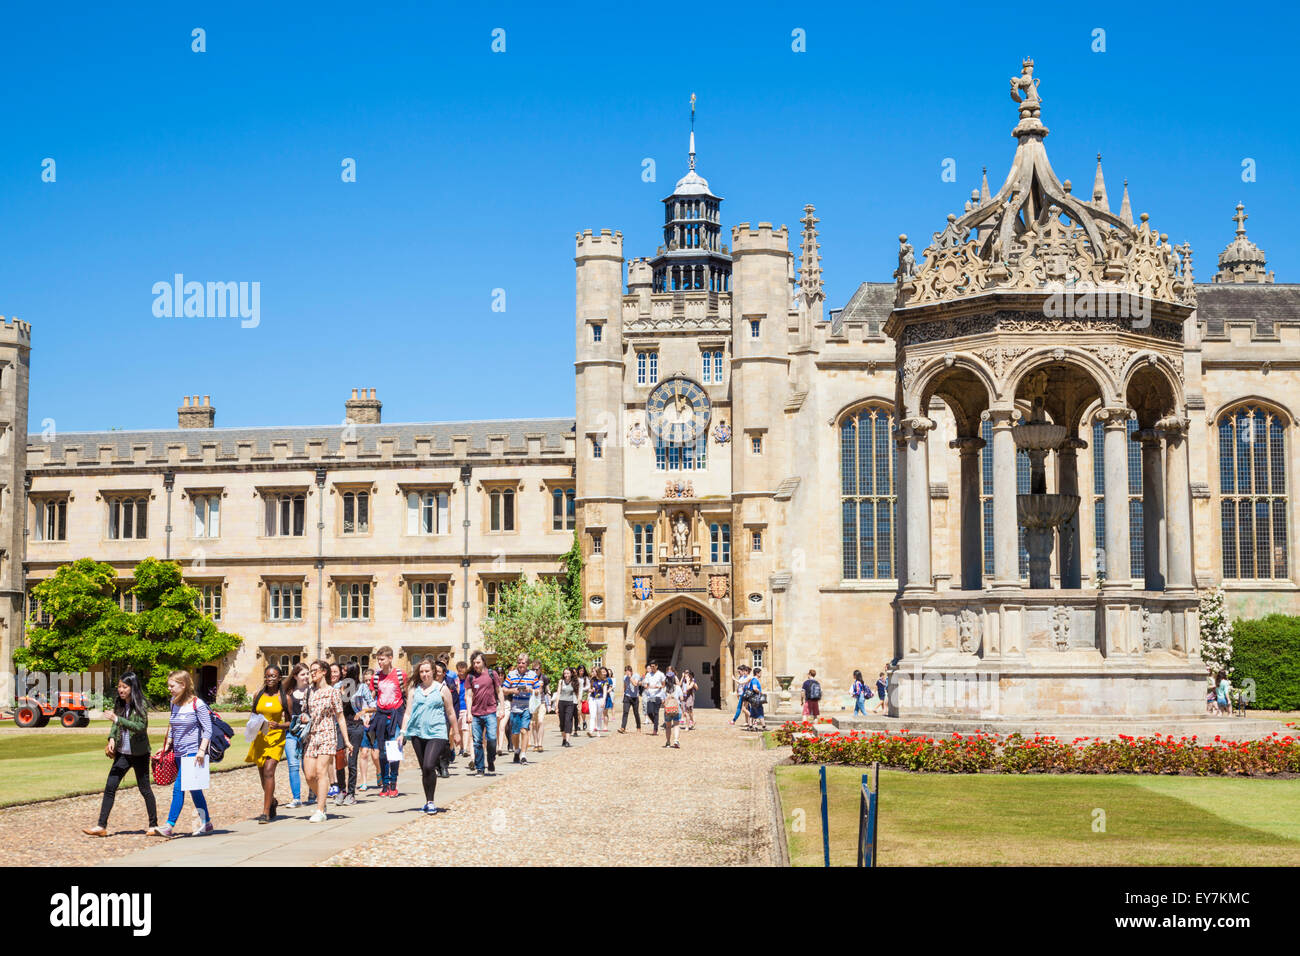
744, 485
742, 463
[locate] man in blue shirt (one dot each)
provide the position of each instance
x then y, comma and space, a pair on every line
518, 686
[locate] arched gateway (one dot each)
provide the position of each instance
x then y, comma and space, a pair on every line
1042, 313
687, 635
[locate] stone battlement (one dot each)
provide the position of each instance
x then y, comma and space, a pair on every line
764, 238
607, 245
15, 331
419, 445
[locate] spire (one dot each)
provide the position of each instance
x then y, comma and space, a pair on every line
692, 155
810, 259
984, 187
1099, 189
1125, 210
1240, 219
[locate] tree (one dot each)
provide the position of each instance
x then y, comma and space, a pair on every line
87, 627
534, 618
1216, 633
572, 586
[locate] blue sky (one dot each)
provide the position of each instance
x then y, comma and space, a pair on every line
475, 169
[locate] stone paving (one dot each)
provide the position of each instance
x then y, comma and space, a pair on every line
711, 800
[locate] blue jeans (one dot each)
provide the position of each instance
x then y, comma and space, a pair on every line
387, 724
859, 705
178, 799
487, 722
293, 756
740, 702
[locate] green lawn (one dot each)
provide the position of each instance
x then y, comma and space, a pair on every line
987, 819
54, 761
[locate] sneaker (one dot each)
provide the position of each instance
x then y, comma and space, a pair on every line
480, 772
95, 831
361, 788
523, 759
293, 804
517, 759
203, 828
350, 800
317, 817
263, 818
334, 791
622, 730
677, 746
338, 800
163, 831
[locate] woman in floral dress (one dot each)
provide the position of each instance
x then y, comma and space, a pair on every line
326, 730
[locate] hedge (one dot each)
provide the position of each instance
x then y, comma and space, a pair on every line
1267, 651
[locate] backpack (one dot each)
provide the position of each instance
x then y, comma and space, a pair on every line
670, 705
815, 691
221, 734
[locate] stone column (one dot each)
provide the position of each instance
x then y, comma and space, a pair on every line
900, 507
1006, 543
1178, 505
914, 432
1069, 556
1153, 508
1115, 494
972, 538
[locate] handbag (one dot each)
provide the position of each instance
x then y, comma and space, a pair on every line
163, 766
585, 709
341, 758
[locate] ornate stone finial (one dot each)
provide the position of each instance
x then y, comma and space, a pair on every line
1125, 208
1185, 254
984, 186
1099, 189
1024, 90
906, 260
810, 263
1242, 261
692, 152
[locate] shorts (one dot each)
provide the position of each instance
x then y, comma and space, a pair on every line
670, 719
520, 720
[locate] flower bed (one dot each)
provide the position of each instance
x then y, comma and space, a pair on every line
974, 753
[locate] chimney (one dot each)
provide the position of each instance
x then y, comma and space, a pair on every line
193, 415
363, 408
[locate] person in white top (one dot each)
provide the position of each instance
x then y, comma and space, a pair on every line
652, 685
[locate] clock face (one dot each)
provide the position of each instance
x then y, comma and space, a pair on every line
678, 411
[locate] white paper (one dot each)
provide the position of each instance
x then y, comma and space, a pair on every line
254, 727
192, 777
393, 752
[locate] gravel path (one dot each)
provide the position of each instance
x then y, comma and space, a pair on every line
710, 802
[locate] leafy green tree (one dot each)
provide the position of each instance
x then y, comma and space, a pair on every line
535, 618
87, 627
171, 632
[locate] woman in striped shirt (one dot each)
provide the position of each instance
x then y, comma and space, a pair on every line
188, 734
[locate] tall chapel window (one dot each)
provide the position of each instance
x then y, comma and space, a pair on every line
867, 494
1252, 494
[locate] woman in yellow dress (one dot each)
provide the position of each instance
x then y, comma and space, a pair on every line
267, 749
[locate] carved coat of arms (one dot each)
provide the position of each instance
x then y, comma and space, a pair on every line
636, 435
681, 577
643, 588
679, 489
719, 586
722, 433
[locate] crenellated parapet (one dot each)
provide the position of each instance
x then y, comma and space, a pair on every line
15, 332
606, 245
762, 238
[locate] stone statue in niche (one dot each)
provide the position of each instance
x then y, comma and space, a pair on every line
968, 631
681, 536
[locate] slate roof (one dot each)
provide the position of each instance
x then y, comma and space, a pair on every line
1265, 304
552, 430
871, 303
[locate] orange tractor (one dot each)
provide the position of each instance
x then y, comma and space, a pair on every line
33, 710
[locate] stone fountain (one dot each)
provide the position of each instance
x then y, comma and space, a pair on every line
1039, 513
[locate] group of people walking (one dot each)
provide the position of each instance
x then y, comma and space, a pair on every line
336, 727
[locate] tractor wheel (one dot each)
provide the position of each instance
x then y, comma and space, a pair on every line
83, 719
68, 718
42, 718
27, 716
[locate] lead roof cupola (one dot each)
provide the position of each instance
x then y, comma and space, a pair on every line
692, 258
